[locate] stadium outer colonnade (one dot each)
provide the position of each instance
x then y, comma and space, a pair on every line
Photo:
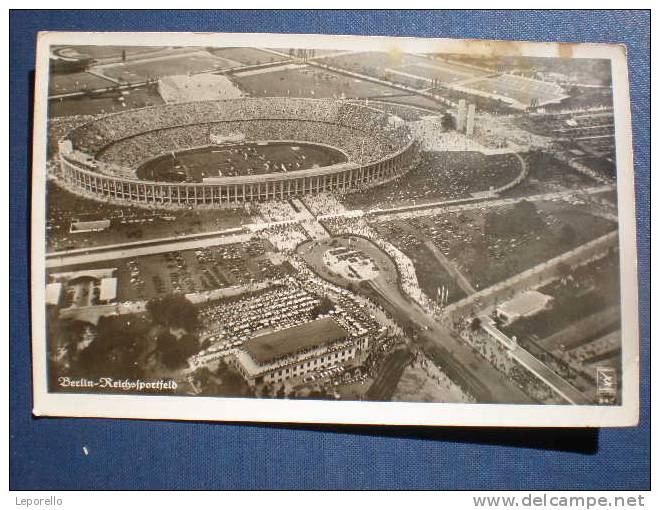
343, 178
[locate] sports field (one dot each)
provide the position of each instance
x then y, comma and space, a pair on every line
406, 69
245, 159
63, 83
311, 82
246, 56
109, 102
142, 70
104, 52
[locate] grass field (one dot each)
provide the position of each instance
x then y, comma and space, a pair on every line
104, 52
431, 275
310, 82
246, 56
444, 71
245, 159
144, 70
392, 65
62, 83
105, 103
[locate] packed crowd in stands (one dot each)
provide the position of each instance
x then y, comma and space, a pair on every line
59, 127
526, 91
127, 138
407, 113
324, 204
276, 210
226, 324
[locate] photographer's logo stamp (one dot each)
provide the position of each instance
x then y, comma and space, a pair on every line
606, 384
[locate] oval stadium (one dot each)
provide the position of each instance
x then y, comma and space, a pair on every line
229, 152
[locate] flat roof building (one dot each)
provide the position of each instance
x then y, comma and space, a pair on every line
108, 291
523, 305
53, 293
293, 352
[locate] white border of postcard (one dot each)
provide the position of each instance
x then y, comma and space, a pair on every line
315, 411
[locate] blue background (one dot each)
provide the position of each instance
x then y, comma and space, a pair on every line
124, 454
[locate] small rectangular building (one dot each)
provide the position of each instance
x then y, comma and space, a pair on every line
108, 290
523, 305
53, 294
79, 226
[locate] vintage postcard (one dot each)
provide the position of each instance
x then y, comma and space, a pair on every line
297, 228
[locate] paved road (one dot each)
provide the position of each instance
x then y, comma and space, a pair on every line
150, 249
534, 365
457, 360
390, 373
472, 203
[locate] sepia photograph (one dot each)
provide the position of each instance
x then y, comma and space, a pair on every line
308, 228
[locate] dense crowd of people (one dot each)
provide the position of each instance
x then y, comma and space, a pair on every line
364, 134
285, 237
405, 267
441, 176
324, 204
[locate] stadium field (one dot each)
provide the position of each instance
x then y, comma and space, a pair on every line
517, 89
105, 103
246, 159
311, 82
105, 52
246, 56
63, 83
397, 67
150, 69
443, 71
